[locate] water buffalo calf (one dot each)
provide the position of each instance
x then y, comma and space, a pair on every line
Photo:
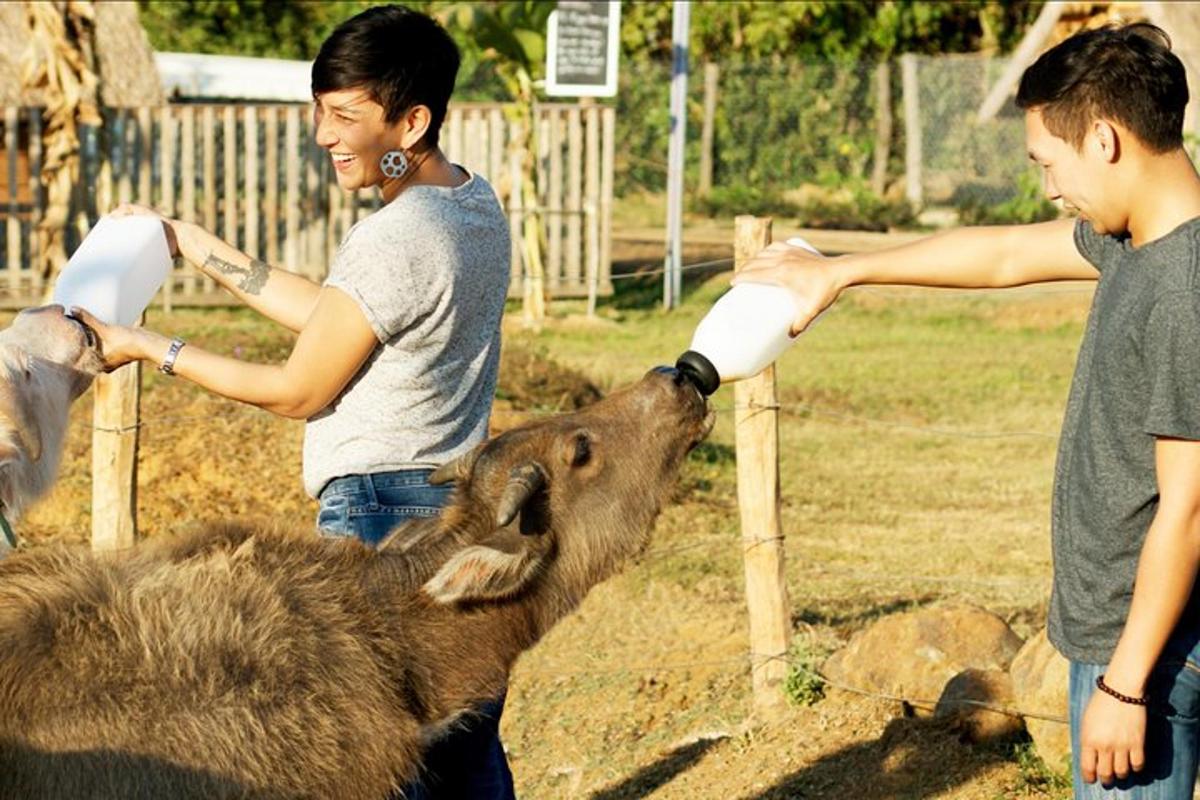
46, 362
270, 663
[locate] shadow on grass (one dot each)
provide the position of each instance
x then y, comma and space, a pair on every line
812, 616
912, 759
653, 777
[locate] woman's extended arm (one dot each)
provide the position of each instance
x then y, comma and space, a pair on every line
279, 295
331, 348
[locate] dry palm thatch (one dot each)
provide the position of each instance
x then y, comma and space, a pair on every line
60, 63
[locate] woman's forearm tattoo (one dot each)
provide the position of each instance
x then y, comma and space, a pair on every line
249, 279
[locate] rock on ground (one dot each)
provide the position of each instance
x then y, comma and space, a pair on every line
914, 655
1039, 676
961, 699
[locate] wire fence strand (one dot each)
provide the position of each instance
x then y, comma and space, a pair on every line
754, 660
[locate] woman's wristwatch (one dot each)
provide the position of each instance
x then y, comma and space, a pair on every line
167, 367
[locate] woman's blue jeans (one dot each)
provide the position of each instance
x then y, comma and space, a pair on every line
1172, 727
469, 763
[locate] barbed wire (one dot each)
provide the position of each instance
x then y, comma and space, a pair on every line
728, 540
647, 272
933, 430
229, 410
756, 660
817, 675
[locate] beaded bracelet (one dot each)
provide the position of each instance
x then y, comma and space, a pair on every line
1111, 692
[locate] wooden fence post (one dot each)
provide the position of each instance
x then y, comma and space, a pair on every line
912, 129
757, 439
115, 398
712, 74
11, 139
883, 126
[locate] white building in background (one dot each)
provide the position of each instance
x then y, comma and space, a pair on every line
191, 76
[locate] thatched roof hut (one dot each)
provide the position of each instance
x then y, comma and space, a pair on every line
125, 61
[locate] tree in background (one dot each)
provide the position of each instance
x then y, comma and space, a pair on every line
291, 29
763, 31
800, 84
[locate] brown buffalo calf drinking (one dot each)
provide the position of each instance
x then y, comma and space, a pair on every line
249, 662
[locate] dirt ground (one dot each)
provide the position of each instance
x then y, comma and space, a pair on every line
644, 692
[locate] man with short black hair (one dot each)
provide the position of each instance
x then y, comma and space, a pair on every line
1103, 118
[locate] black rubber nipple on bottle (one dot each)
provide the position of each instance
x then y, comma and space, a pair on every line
700, 371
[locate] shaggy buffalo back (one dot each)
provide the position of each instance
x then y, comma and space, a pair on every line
242, 655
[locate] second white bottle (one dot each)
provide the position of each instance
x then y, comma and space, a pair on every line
744, 332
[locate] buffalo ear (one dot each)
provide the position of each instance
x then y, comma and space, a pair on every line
496, 570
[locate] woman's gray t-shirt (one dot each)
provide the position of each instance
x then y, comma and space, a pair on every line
430, 271
1137, 378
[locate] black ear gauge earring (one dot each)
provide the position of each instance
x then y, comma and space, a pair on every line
393, 164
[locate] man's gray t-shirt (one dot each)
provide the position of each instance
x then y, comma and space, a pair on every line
430, 271
1137, 378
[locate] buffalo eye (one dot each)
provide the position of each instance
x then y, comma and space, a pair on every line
583, 450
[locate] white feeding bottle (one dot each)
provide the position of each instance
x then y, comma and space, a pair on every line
744, 332
117, 269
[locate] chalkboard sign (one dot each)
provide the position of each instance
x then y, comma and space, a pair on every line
581, 49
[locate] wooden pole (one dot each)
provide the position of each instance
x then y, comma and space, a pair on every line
251, 176
572, 267
607, 149
515, 221
912, 130
554, 216
187, 178
712, 74
883, 126
591, 203
291, 244
757, 439
37, 238
166, 175
145, 150
13, 223
230, 200
271, 194
124, 154
115, 401
209, 161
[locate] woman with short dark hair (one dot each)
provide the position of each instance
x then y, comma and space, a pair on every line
395, 362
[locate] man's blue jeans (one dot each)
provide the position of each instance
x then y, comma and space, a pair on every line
1172, 728
469, 763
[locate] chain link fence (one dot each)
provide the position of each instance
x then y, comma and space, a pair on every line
802, 139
